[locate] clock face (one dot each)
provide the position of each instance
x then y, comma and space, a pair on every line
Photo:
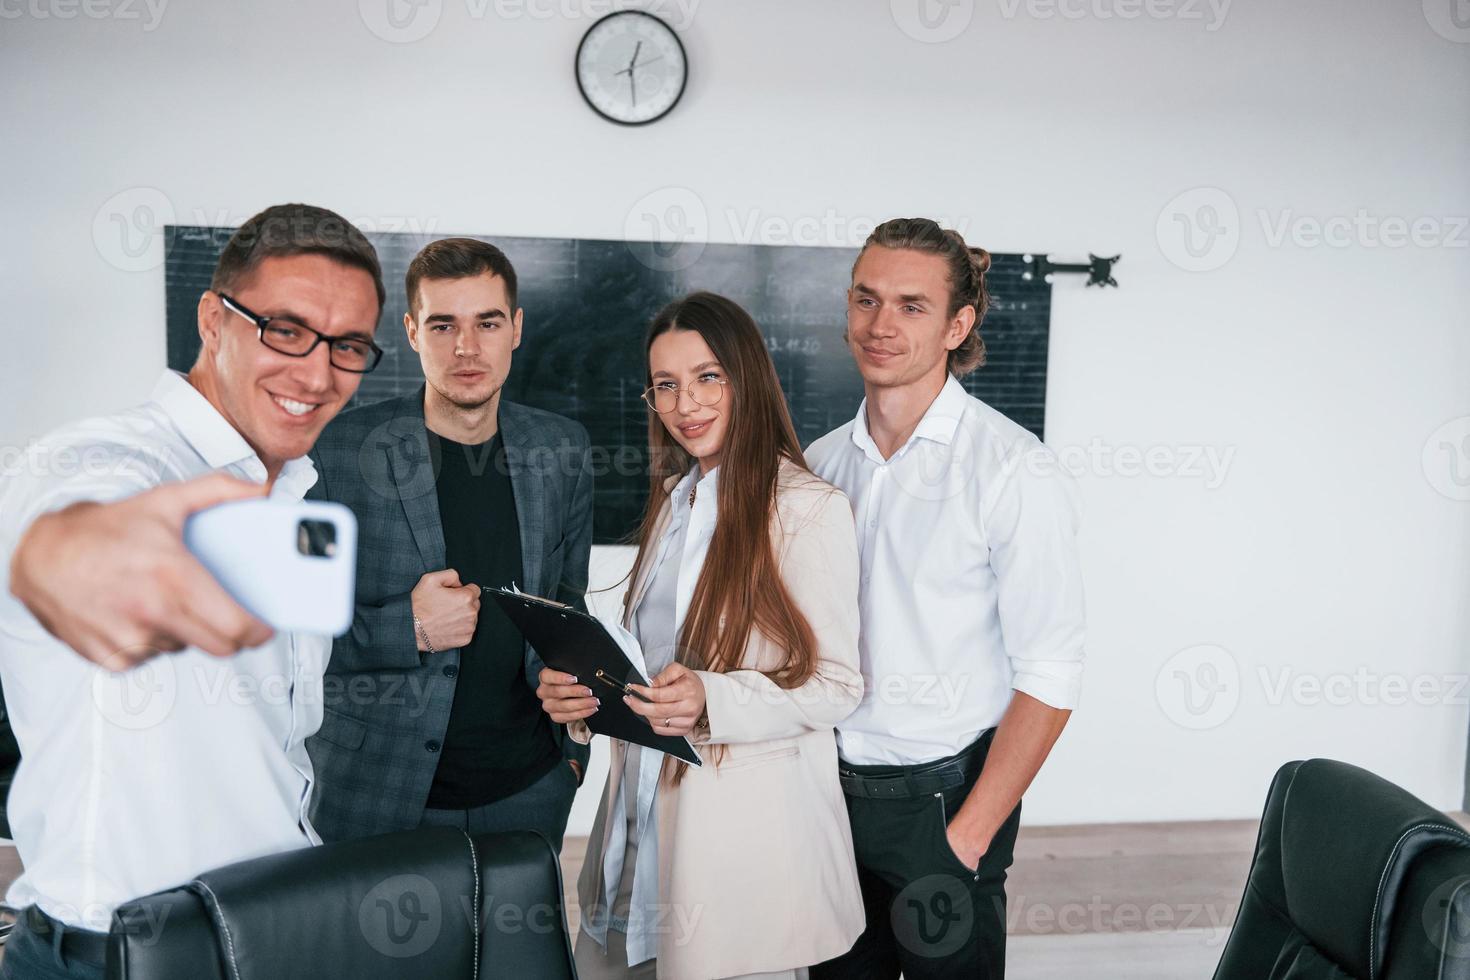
631, 67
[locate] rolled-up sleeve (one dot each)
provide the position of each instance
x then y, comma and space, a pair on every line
1031, 521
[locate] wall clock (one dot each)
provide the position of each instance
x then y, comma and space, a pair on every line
631, 67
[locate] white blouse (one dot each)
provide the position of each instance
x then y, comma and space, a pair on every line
656, 621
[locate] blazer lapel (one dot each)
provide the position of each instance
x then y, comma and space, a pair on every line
529, 488
415, 475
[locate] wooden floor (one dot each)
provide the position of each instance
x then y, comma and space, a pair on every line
1103, 878
1150, 901
1127, 901
1103, 901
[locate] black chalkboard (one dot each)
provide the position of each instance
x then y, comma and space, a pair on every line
588, 303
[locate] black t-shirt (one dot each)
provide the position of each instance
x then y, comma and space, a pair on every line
499, 740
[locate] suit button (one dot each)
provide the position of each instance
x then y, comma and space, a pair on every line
432, 745
450, 670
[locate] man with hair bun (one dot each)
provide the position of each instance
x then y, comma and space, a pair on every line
972, 613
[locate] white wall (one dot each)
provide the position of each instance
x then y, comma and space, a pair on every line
1322, 371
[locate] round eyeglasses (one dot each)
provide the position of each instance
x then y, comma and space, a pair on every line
707, 390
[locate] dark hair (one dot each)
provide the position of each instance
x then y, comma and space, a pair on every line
739, 588
458, 258
295, 229
966, 268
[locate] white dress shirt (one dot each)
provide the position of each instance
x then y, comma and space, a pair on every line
971, 585
656, 622
131, 783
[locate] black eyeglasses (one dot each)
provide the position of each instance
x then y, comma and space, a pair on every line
294, 339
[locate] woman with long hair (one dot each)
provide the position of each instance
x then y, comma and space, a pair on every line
744, 602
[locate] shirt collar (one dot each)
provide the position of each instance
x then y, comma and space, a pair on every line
218, 442
707, 484
940, 422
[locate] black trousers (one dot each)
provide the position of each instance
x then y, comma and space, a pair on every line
50, 954
928, 915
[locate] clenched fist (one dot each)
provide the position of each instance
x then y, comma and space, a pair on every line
447, 610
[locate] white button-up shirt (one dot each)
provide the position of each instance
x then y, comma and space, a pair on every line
135, 782
680, 552
971, 585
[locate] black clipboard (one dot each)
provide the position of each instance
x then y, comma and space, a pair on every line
575, 643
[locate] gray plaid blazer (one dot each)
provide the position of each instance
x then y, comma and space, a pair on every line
386, 706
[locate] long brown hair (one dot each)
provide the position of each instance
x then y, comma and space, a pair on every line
965, 268
739, 586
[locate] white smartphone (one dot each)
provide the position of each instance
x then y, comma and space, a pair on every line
292, 564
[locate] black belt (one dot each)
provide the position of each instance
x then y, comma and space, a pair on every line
79, 944
912, 782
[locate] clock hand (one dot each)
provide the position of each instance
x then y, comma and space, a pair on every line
638, 64
633, 62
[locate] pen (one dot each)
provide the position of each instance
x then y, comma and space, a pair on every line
606, 678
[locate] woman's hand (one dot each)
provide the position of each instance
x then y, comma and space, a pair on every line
563, 698
677, 700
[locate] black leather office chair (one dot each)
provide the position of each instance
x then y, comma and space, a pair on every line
1353, 879
9, 760
397, 906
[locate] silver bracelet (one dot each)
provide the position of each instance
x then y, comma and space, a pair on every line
423, 635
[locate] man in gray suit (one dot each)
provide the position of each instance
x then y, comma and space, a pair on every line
431, 716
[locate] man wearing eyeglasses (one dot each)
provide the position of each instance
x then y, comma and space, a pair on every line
431, 716
130, 783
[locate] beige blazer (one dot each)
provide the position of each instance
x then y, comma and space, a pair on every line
755, 858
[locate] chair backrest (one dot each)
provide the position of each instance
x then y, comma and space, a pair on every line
1353, 879
432, 903
9, 760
